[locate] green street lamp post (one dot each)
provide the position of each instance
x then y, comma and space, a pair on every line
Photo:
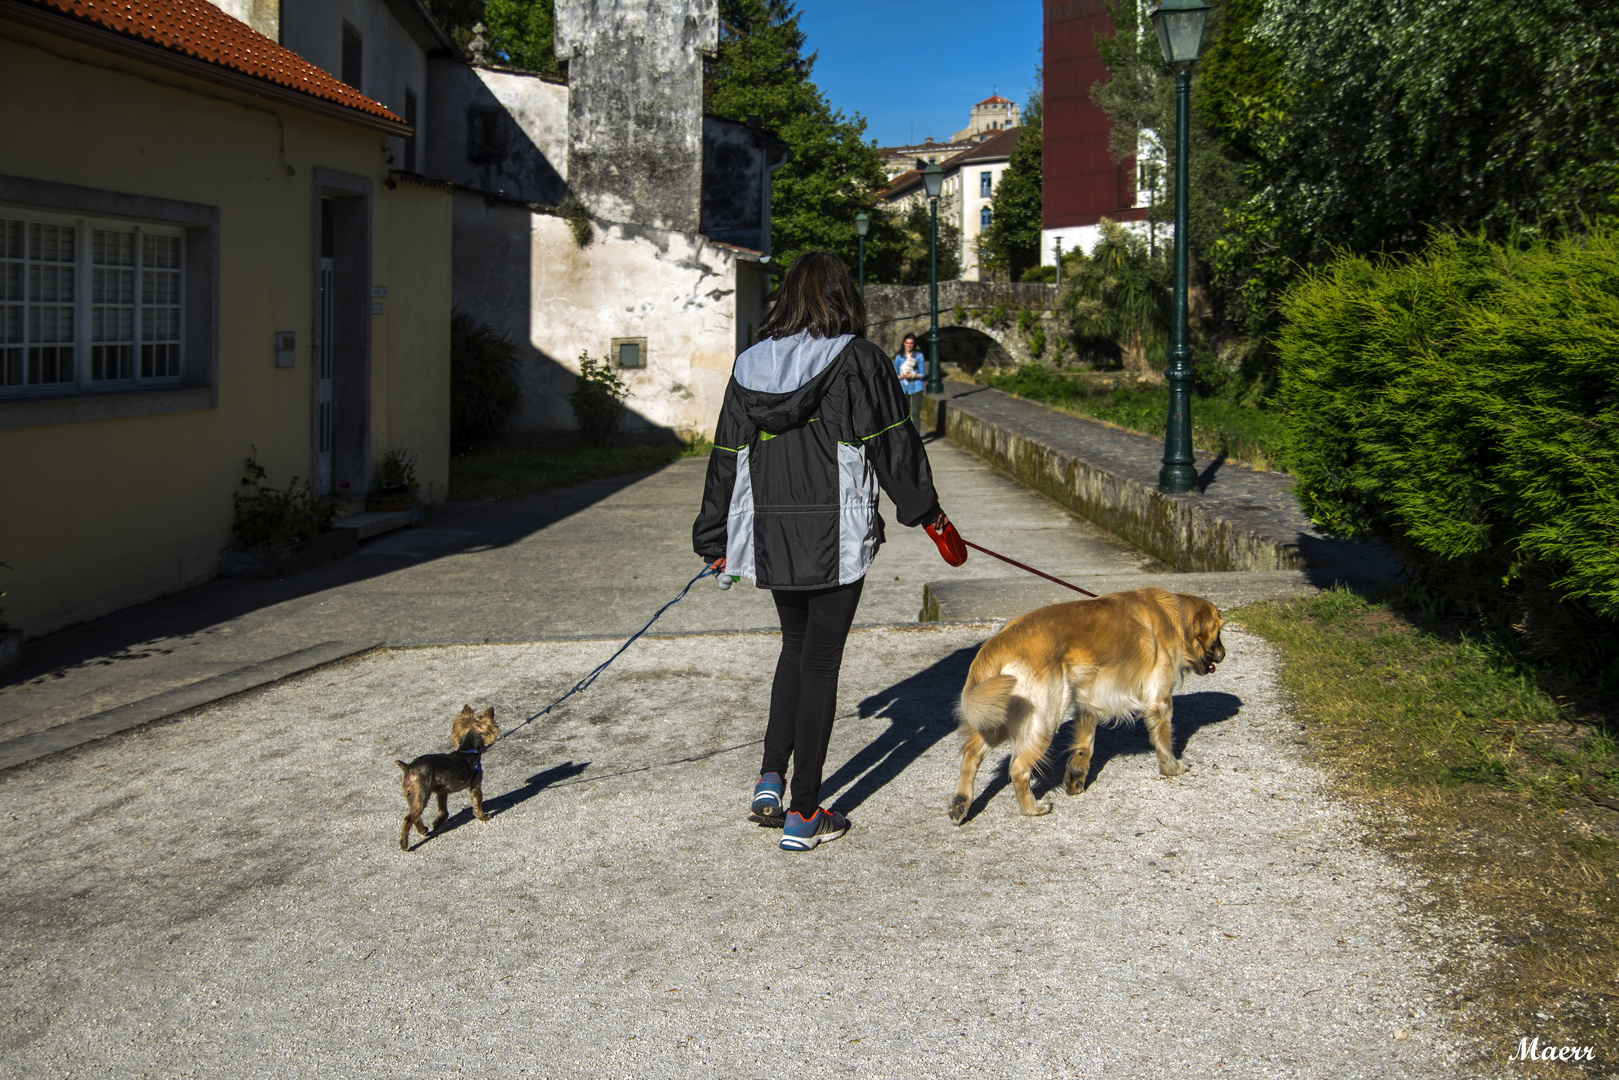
861, 224
1059, 262
1179, 25
933, 184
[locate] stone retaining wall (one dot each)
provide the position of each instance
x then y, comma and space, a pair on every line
1182, 530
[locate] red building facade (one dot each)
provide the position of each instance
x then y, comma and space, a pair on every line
1082, 181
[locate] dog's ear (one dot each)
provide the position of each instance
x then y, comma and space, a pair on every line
487, 720
1202, 622
464, 714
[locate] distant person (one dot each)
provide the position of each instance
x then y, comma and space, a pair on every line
911, 365
813, 423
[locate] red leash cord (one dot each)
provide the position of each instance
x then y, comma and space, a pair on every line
953, 548
1030, 569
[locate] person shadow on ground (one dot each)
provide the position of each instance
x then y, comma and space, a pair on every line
921, 710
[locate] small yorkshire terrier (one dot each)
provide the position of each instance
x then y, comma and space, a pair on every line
440, 774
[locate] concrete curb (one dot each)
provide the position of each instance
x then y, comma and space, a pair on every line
979, 599
99, 725
1244, 520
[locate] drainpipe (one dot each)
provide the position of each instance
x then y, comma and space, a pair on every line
769, 172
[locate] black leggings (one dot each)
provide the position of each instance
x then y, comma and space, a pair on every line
803, 700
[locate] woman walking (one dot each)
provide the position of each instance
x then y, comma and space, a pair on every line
911, 365
813, 422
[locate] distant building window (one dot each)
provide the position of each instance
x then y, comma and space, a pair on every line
351, 56
88, 304
983, 218
986, 183
410, 141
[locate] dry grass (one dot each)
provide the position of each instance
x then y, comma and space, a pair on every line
511, 472
1504, 797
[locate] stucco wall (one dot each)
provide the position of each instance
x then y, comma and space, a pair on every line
104, 514
635, 123
522, 273
531, 115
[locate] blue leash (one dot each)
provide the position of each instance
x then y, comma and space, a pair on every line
584, 683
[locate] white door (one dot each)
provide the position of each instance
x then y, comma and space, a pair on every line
323, 384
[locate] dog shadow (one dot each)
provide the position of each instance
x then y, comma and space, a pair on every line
498, 805
921, 711
1193, 712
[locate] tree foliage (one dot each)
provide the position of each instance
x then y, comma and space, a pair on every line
1011, 244
521, 33
761, 70
1362, 125
1121, 292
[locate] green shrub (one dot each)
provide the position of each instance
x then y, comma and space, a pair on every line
597, 399
268, 517
395, 473
1037, 341
483, 381
1463, 404
1026, 318
960, 313
577, 215
1042, 275
997, 316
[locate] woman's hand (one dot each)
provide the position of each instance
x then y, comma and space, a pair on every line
719, 563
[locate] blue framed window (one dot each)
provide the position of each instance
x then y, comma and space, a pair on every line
983, 218
986, 182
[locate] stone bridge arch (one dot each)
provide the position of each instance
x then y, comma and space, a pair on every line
967, 344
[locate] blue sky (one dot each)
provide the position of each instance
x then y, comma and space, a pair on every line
925, 63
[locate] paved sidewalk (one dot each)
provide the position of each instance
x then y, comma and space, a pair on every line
591, 560
224, 896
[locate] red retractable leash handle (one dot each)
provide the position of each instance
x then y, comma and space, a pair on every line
954, 551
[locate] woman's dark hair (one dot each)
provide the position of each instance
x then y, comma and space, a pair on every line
909, 337
819, 296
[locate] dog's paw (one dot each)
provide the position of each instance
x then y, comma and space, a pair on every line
1073, 783
1179, 768
959, 807
1040, 809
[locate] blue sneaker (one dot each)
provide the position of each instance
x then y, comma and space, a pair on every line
802, 834
767, 808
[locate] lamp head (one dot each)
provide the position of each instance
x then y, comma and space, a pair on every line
1179, 25
933, 179
861, 223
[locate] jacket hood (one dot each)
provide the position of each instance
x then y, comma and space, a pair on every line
784, 379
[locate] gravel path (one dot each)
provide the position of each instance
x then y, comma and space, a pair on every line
224, 896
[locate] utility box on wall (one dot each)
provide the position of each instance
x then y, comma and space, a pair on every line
286, 348
629, 352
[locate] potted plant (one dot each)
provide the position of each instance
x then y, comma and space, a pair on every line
393, 482
10, 640
282, 531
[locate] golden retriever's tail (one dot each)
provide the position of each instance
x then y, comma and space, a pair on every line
984, 705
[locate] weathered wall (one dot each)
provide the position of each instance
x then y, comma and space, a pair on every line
892, 311
527, 160
111, 512
522, 273
1175, 528
635, 125
733, 184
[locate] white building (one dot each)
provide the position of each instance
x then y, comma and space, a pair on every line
994, 113
971, 179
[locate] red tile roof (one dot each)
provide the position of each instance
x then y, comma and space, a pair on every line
197, 29
995, 99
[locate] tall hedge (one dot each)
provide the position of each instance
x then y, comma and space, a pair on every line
1463, 404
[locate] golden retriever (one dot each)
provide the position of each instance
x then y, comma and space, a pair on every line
1102, 661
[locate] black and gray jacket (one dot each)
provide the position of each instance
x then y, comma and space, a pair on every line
809, 429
